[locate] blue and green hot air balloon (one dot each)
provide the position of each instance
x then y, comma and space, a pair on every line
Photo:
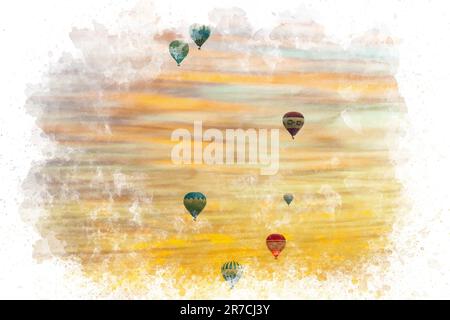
199, 34
288, 197
178, 50
232, 272
194, 203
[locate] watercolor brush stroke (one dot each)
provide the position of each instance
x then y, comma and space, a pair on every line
112, 198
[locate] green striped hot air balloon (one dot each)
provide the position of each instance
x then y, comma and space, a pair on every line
232, 272
194, 203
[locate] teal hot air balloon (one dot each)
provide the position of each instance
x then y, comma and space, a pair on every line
288, 197
232, 272
194, 203
199, 34
178, 50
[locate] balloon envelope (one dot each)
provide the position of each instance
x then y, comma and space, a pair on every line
178, 50
276, 243
288, 197
231, 272
199, 34
194, 203
293, 122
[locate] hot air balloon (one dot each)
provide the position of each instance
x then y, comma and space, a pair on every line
199, 34
194, 203
178, 50
293, 122
288, 197
231, 272
276, 243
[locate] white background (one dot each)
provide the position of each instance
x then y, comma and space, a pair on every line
30, 30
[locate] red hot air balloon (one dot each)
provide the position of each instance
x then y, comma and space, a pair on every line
293, 122
276, 243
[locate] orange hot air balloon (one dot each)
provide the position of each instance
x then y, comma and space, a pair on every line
276, 243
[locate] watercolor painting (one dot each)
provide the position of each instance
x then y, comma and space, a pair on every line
216, 159
113, 199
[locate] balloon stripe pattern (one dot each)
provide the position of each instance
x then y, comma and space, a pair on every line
194, 203
232, 272
276, 243
293, 122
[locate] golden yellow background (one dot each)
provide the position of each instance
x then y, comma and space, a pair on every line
114, 199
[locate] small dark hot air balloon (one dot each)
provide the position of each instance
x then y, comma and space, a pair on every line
178, 50
194, 203
231, 272
288, 197
199, 34
276, 243
293, 122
